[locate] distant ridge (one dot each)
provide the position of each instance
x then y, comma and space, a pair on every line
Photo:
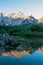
40, 20
17, 19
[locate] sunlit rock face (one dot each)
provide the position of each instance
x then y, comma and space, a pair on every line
40, 20
40, 49
16, 19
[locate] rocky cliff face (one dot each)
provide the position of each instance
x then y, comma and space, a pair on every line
16, 19
40, 20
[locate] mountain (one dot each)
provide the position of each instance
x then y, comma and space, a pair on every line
30, 20
16, 19
40, 20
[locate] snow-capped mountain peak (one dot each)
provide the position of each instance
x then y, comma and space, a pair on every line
16, 19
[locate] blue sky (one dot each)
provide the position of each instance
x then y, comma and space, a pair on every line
28, 7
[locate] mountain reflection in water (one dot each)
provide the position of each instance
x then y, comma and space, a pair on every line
36, 58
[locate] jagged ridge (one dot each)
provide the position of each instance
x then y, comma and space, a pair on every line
16, 19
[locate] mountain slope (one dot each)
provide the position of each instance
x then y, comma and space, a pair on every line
40, 20
16, 19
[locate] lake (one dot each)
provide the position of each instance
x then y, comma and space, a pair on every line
36, 58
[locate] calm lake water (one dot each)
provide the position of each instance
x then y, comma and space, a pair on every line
35, 58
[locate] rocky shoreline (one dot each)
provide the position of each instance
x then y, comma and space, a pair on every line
19, 53
16, 53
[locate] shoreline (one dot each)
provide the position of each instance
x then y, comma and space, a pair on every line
19, 53
15, 53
